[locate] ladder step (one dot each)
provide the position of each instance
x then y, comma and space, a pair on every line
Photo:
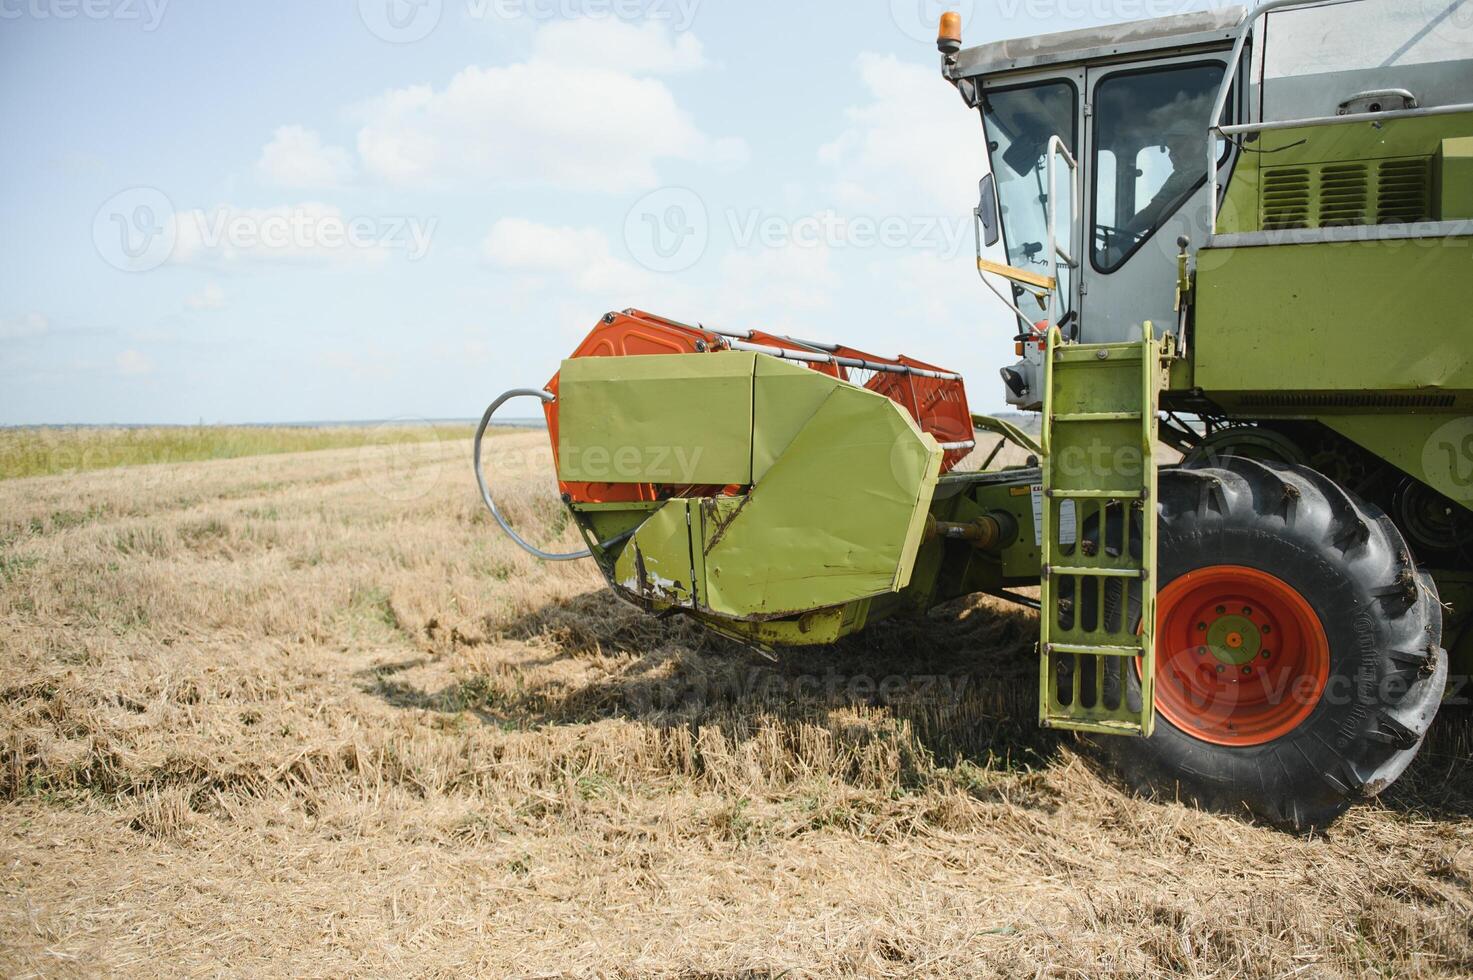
1094, 651
1097, 416
1096, 572
1098, 494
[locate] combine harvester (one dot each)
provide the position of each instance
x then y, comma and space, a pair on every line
1246, 237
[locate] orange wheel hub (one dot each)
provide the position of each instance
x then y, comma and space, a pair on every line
1241, 657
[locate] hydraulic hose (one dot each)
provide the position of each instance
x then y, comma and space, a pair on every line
526, 546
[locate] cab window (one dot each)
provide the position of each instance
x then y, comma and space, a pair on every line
1019, 121
1150, 135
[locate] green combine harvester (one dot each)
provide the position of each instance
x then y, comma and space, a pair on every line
1239, 251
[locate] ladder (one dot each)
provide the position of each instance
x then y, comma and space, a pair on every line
1098, 518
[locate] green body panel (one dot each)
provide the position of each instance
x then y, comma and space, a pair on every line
1099, 532
785, 396
1436, 449
1278, 322
659, 565
656, 418
1454, 184
835, 516
838, 516
1312, 148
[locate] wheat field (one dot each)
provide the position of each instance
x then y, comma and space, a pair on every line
311, 714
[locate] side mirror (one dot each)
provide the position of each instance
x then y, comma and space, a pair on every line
987, 210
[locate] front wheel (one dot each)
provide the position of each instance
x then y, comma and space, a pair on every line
1298, 649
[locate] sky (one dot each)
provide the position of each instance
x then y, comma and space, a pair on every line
285, 211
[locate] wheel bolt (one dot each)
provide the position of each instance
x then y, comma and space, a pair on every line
1221, 610
1247, 610
1201, 627
1265, 655
1220, 668
1247, 671
1267, 628
1201, 651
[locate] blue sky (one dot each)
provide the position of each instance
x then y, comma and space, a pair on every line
284, 211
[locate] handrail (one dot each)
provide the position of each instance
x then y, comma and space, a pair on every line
1214, 121
1056, 148
531, 549
1215, 127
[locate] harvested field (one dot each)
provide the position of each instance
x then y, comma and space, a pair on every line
312, 714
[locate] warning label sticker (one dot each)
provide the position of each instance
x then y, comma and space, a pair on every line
1068, 523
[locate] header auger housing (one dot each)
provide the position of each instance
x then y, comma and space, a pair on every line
1246, 241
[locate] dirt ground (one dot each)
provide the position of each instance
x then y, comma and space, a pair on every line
311, 714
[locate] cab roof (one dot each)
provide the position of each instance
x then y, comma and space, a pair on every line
1089, 44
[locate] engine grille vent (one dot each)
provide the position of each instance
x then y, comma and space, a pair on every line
1404, 192
1343, 195
1286, 195
1347, 400
1337, 195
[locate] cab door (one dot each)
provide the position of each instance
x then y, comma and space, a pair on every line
1020, 114
1146, 185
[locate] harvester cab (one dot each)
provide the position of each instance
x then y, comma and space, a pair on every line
1157, 115
1236, 247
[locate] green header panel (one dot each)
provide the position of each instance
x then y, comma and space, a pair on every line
656, 418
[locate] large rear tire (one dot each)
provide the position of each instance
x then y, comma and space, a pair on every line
1299, 650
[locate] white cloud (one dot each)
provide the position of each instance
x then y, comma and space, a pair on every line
25, 326
296, 157
648, 49
761, 288
578, 258
209, 299
589, 122
132, 362
913, 145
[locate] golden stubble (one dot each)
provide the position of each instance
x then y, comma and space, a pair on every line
313, 714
